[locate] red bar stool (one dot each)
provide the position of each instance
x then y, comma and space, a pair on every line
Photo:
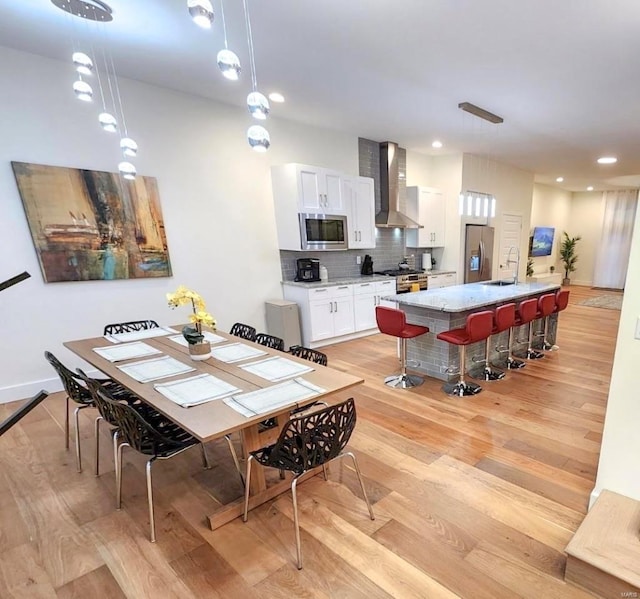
562, 301
477, 328
526, 313
505, 319
500, 323
546, 307
394, 322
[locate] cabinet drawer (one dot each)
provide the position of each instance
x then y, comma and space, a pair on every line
318, 293
342, 290
360, 288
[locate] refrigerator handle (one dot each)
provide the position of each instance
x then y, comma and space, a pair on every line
481, 249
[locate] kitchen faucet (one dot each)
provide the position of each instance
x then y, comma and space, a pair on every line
516, 262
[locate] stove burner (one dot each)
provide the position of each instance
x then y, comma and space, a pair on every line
399, 272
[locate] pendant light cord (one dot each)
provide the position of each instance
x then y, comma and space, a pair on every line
252, 61
224, 25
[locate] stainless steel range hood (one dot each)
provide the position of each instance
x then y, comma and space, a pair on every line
390, 215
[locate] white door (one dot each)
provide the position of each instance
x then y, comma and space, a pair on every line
333, 201
321, 317
364, 308
510, 237
343, 320
311, 199
365, 211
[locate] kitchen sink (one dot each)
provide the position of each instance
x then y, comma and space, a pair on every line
500, 283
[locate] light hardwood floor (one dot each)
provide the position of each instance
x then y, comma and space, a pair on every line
474, 497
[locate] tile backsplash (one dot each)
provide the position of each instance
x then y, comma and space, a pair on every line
390, 243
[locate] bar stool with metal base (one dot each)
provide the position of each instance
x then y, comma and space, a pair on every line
505, 319
500, 323
562, 301
478, 327
394, 322
526, 313
546, 306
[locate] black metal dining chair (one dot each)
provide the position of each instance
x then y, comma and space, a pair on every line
270, 341
80, 394
129, 327
306, 353
307, 442
244, 331
150, 434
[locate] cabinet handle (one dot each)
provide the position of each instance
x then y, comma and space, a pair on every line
330, 307
320, 291
344, 287
365, 285
336, 305
359, 236
326, 203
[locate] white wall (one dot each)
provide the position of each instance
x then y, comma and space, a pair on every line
216, 200
445, 174
619, 467
513, 190
585, 219
551, 208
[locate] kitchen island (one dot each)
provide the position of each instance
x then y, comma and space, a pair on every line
448, 308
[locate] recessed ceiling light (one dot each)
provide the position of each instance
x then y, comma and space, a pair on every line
607, 160
590, 188
559, 179
436, 144
276, 97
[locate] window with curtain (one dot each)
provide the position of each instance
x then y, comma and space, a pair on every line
612, 257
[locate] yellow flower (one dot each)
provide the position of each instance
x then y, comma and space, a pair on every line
200, 316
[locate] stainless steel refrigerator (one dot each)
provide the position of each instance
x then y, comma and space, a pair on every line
478, 252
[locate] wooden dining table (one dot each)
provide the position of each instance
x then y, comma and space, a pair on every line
215, 419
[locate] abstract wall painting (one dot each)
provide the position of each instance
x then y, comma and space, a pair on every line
93, 225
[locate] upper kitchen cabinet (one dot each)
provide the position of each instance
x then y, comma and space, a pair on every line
426, 206
359, 194
315, 190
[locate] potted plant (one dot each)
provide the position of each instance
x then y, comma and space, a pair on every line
529, 267
568, 255
199, 349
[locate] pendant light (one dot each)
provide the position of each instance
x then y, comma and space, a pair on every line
108, 122
83, 90
257, 103
128, 146
83, 64
201, 12
127, 170
228, 61
258, 138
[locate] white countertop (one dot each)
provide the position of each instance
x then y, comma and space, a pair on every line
461, 298
354, 280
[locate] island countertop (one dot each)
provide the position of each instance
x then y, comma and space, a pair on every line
462, 298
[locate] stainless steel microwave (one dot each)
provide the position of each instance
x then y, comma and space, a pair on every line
323, 231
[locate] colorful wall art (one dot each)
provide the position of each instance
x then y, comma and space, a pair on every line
93, 225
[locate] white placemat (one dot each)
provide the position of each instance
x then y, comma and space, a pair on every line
271, 398
126, 351
235, 352
277, 368
208, 336
196, 390
156, 368
143, 334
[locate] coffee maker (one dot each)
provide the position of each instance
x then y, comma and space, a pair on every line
308, 270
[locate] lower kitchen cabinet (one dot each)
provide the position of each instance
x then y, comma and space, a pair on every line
341, 310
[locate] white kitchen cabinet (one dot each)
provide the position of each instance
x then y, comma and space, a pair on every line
359, 195
302, 189
441, 280
366, 296
319, 190
426, 206
327, 311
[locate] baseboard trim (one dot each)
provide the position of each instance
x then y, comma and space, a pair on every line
594, 495
25, 390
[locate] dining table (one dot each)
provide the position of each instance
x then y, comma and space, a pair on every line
217, 418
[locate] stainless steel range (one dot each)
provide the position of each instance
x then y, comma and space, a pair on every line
406, 278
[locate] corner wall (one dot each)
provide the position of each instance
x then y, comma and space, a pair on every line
216, 202
586, 219
551, 208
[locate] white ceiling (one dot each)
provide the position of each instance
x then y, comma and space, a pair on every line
562, 73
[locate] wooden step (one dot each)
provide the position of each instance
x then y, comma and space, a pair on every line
604, 554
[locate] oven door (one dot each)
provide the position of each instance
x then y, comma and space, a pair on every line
323, 232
